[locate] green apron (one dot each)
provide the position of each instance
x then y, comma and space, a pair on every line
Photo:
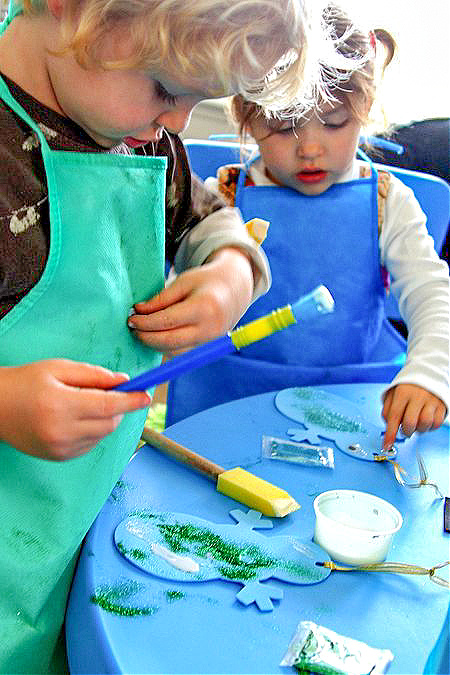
106, 253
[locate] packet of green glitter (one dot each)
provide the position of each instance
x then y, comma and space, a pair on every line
316, 649
298, 453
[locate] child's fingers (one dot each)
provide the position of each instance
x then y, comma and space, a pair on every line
169, 295
421, 414
189, 323
77, 374
82, 438
173, 340
90, 432
411, 417
393, 424
392, 414
176, 316
431, 416
75, 426
439, 415
95, 404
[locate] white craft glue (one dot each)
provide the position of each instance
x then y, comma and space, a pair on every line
179, 561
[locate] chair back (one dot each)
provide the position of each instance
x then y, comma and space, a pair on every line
432, 192
206, 156
433, 195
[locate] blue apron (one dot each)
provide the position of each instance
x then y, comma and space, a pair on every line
106, 253
330, 239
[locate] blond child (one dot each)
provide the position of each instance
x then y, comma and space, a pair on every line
93, 96
326, 227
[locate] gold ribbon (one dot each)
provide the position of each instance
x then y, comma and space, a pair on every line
393, 568
399, 470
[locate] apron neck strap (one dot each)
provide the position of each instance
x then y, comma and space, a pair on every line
247, 164
361, 154
9, 99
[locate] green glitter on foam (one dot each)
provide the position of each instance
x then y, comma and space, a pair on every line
324, 417
113, 599
173, 596
311, 573
145, 515
200, 541
136, 553
328, 419
307, 394
240, 562
119, 491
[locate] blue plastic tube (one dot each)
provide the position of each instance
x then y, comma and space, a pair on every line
194, 358
307, 308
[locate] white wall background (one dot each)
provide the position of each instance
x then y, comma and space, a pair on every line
416, 84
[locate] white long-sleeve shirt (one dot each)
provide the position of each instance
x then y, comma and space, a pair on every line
419, 282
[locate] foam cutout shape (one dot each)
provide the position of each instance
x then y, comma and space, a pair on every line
184, 548
323, 416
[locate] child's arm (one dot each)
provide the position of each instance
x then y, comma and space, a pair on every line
419, 396
58, 409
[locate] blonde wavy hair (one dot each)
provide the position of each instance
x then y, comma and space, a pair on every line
272, 52
356, 87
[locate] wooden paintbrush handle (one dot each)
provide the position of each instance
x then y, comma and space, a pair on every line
182, 454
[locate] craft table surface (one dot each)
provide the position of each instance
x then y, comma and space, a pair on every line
206, 630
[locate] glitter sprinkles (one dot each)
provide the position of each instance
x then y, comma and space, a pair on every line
174, 596
113, 599
307, 394
135, 553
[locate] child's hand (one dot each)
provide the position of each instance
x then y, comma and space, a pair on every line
201, 304
58, 409
412, 407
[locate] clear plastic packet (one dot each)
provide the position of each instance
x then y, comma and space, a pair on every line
316, 649
299, 453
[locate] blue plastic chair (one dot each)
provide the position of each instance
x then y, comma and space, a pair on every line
207, 156
432, 193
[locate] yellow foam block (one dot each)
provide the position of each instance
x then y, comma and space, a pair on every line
256, 493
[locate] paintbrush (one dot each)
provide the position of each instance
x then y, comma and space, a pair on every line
236, 483
308, 307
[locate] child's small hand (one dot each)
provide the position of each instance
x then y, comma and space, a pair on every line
201, 304
413, 408
58, 409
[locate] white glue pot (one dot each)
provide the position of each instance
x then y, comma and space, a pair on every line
355, 527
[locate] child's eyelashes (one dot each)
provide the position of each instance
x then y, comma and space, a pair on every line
335, 125
297, 130
164, 95
336, 120
287, 130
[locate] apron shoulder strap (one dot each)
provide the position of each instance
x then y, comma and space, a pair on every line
384, 181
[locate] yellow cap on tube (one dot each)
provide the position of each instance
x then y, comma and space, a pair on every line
262, 327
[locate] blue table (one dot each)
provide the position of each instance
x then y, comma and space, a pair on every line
144, 624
